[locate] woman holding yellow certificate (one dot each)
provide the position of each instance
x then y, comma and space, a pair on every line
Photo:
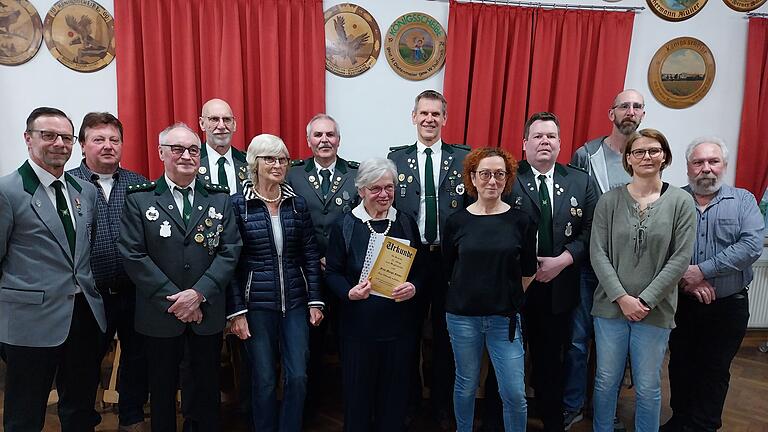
377, 333
489, 250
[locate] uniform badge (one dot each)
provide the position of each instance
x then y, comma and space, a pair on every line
338, 179
401, 177
410, 179
345, 195
311, 178
152, 214
38, 203
199, 238
165, 229
574, 203
568, 229
241, 176
219, 228
202, 170
338, 201
518, 202
199, 207
78, 206
402, 192
460, 189
170, 206
208, 222
454, 203
579, 212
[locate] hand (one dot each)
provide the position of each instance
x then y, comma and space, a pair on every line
692, 276
239, 327
322, 264
360, 291
632, 308
195, 316
184, 303
404, 291
315, 316
550, 267
703, 291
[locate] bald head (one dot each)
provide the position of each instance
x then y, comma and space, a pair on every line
627, 111
218, 122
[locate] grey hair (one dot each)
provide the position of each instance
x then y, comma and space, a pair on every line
263, 145
177, 125
371, 170
707, 139
323, 116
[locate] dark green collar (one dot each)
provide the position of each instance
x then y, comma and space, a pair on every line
341, 165
524, 167
236, 154
30, 180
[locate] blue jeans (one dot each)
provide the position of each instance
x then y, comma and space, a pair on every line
577, 356
646, 345
273, 334
468, 335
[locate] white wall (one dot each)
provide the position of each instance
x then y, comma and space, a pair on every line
374, 108
43, 81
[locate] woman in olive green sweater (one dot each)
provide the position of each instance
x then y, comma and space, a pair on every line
641, 244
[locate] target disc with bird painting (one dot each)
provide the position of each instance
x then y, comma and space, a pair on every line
21, 32
80, 34
352, 40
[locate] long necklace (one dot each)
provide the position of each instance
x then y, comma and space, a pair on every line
386, 231
269, 200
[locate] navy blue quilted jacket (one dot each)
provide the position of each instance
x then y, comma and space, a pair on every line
257, 283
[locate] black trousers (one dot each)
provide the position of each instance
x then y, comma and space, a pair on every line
132, 384
75, 364
548, 337
164, 355
375, 379
702, 346
443, 373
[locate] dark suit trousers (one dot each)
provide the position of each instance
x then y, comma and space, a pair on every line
164, 356
548, 339
75, 364
375, 378
701, 348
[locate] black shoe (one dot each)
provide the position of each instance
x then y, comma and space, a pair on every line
672, 425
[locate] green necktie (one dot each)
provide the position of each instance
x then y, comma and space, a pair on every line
545, 221
63, 210
222, 172
430, 226
325, 186
187, 210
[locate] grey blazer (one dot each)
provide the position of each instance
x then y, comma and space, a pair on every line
451, 194
241, 167
38, 274
163, 256
342, 197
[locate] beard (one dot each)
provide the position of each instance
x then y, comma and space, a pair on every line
626, 126
705, 184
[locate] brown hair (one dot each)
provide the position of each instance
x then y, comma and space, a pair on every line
651, 134
543, 116
94, 119
473, 160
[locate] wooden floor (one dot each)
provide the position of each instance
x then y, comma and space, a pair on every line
746, 408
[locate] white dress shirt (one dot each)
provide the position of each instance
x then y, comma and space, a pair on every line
331, 168
229, 168
437, 152
179, 197
47, 179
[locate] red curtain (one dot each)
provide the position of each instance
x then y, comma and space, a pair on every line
266, 58
505, 63
579, 64
752, 162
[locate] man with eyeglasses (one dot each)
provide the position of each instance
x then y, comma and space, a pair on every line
429, 188
327, 182
713, 305
602, 159
562, 199
180, 245
101, 138
51, 315
220, 163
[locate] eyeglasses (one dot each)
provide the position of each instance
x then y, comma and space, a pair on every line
376, 190
179, 150
486, 175
271, 160
652, 152
215, 120
50, 136
627, 105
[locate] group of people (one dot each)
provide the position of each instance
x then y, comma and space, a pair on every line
512, 256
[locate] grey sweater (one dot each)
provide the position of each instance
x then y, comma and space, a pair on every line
642, 257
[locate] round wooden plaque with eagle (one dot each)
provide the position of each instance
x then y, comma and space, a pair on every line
80, 34
352, 40
21, 32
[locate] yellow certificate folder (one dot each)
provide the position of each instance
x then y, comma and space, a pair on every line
391, 267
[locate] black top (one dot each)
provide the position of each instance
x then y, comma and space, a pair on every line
375, 318
486, 257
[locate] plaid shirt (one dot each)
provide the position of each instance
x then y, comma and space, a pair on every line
106, 263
